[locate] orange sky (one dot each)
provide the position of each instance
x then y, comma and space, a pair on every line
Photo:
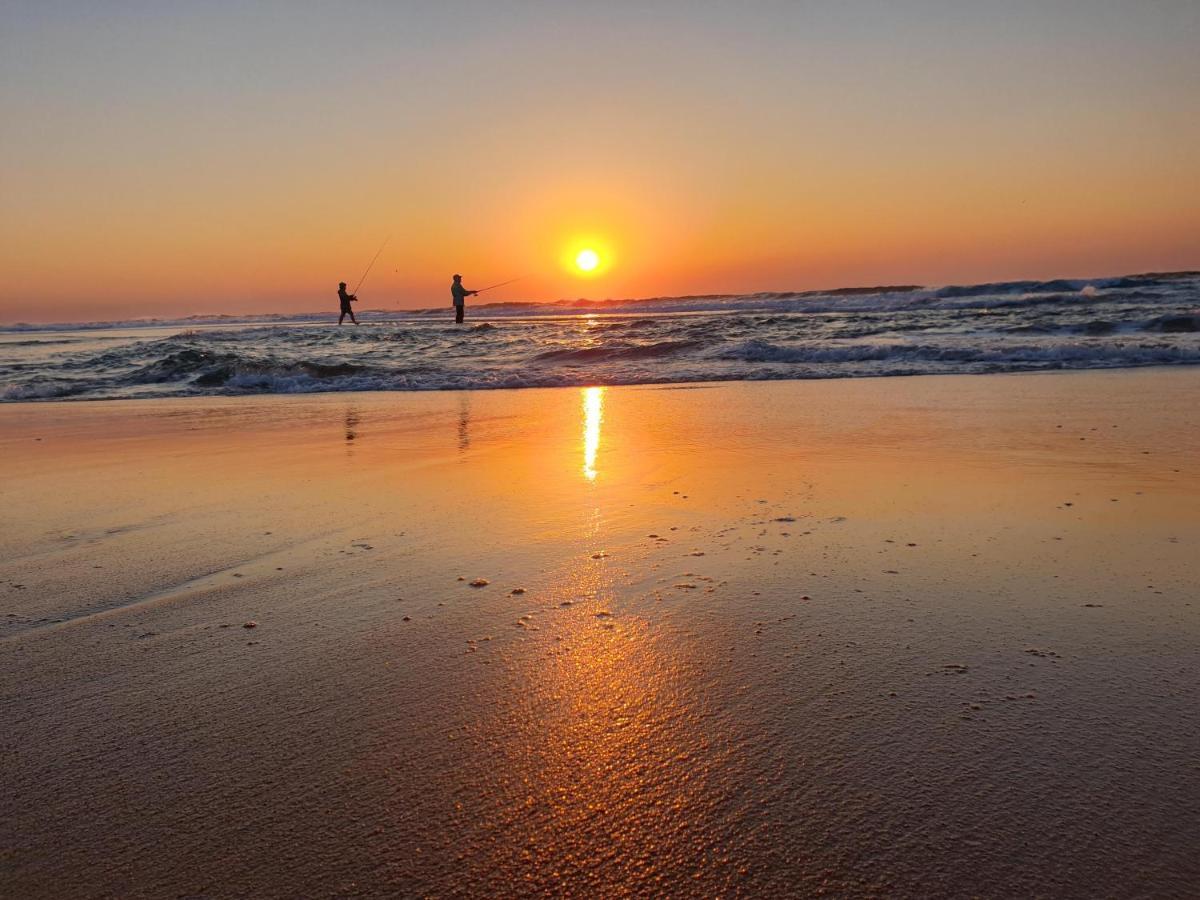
171, 161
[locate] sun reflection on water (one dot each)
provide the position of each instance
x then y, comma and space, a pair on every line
593, 415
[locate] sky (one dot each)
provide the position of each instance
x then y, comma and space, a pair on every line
162, 158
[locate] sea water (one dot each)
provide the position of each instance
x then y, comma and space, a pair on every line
1139, 320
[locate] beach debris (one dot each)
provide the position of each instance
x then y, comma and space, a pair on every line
407, 619
480, 582
1093, 605
600, 554
251, 624
696, 553
956, 668
517, 590
785, 519
604, 614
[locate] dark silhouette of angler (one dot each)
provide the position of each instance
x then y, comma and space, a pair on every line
460, 295
345, 300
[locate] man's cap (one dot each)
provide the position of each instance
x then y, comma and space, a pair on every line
457, 276
341, 284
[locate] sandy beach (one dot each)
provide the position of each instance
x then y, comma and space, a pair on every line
914, 637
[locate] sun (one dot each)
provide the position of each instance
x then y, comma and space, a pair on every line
587, 256
587, 260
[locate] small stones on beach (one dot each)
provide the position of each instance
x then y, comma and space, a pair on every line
517, 590
407, 619
599, 555
956, 668
604, 614
480, 582
251, 624
1034, 651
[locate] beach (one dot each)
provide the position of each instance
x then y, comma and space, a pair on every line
920, 637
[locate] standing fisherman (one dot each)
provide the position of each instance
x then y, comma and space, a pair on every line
345, 300
460, 295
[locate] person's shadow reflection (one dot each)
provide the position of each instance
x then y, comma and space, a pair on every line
351, 428
464, 421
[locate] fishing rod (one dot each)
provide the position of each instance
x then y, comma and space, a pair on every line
501, 284
370, 264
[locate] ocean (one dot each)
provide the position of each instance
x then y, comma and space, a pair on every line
1138, 320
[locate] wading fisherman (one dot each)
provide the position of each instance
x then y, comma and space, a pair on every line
345, 300
460, 295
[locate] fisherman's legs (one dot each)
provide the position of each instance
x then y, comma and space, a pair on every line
342, 316
458, 315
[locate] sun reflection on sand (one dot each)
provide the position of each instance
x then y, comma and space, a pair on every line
593, 415
613, 763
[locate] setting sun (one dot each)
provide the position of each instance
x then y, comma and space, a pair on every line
587, 260
587, 255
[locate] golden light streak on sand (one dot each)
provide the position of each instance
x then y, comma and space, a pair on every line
593, 416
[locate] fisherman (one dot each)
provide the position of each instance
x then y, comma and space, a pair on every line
460, 295
345, 300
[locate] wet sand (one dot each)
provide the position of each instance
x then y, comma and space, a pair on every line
896, 637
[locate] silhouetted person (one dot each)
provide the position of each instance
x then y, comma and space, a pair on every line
460, 295
346, 299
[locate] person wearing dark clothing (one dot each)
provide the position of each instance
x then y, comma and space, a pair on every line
345, 300
460, 295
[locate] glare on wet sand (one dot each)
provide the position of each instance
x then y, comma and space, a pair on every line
908, 636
